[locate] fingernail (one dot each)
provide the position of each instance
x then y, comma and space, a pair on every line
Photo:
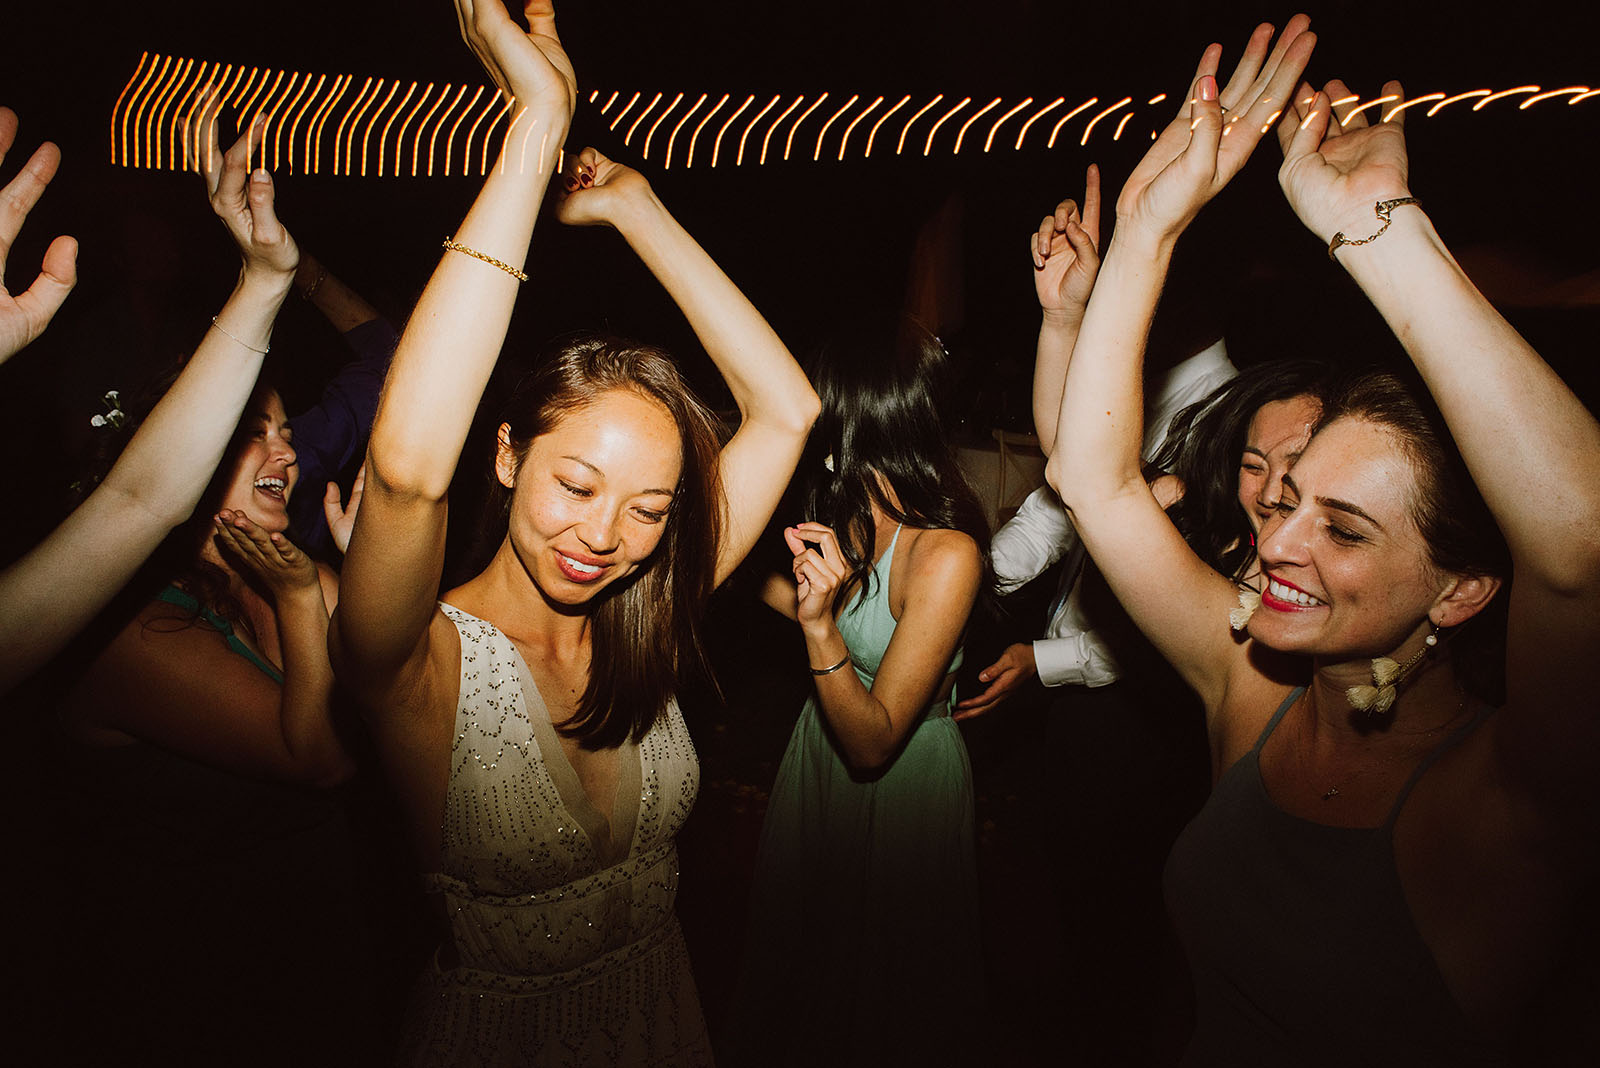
259, 175
1208, 88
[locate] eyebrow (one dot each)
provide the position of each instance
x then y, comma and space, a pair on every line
1335, 503
602, 474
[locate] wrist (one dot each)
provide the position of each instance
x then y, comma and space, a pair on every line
1062, 318
261, 281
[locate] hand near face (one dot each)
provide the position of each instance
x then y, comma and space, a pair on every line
24, 316
819, 570
272, 558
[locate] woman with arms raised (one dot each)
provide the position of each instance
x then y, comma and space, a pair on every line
1383, 868
527, 723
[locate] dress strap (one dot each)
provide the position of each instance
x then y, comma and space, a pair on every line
180, 598
1451, 740
1294, 695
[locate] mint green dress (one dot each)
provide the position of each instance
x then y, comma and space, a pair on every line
863, 942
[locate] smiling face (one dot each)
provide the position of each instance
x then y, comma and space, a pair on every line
1277, 435
591, 497
1347, 574
264, 464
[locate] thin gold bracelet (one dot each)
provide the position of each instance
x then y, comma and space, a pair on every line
455, 246
1381, 209
227, 333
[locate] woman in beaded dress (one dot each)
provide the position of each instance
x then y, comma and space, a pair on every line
864, 912
527, 722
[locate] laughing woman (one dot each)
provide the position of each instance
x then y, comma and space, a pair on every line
527, 721
1384, 868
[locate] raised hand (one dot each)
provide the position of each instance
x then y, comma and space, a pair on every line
242, 199
818, 572
341, 516
529, 65
1336, 165
597, 190
1214, 132
24, 316
1066, 254
272, 558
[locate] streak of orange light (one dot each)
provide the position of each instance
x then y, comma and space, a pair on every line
628, 138
466, 150
988, 142
844, 138
416, 142
1117, 136
689, 162
273, 114
483, 164
1343, 100
848, 104
185, 100
927, 145
776, 123
1089, 129
139, 120
980, 113
366, 134
739, 159
158, 117
1504, 93
1583, 96
400, 138
900, 147
449, 142
319, 119
1452, 99
625, 110
353, 113
134, 77
1274, 117
716, 146
505, 145
1057, 102
1374, 102
1063, 120
383, 137
673, 137
614, 94
244, 90
433, 138
1532, 100
294, 127
789, 144
197, 100
1158, 98
338, 135
593, 96
872, 135
1398, 108
250, 103
645, 152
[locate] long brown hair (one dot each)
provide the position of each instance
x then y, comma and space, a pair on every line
646, 627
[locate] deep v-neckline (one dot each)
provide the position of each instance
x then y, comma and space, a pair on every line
611, 839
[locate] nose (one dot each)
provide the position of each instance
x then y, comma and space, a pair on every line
1284, 539
598, 531
1271, 491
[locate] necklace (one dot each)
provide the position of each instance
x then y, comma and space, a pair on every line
1461, 705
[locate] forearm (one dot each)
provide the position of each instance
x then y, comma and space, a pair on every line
1058, 335
343, 307
1100, 427
1523, 434
859, 720
308, 684
766, 383
448, 351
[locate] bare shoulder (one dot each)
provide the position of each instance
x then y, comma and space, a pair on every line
944, 561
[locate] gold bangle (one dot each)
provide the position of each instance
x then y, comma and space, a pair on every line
1381, 209
225, 333
455, 246
831, 670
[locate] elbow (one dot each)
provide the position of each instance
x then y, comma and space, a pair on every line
1064, 479
870, 757
803, 413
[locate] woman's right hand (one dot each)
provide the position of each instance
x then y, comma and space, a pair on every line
529, 65
596, 190
1199, 152
272, 558
242, 200
818, 572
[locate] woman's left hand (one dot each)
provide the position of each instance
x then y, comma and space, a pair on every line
1214, 132
818, 572
272, 558
529, 65
596, 191
1336, 165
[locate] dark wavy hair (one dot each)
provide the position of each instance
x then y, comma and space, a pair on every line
884, 391
1455, 523
646, 626
1203, 447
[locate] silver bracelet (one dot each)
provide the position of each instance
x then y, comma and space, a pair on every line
831, 670
240, 340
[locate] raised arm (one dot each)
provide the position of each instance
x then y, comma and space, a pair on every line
940, 572
776, 404
1178, 601
391, 572
1531, 446
50, 593
1065, 261
24, 316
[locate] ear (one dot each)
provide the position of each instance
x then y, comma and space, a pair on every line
506, 460
1463, 597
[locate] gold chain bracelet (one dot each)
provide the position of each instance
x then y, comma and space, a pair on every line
455, 246
1382, 209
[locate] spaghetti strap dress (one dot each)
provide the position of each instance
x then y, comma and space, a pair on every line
863, 943
565, 948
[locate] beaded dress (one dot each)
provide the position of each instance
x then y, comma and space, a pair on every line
567, 949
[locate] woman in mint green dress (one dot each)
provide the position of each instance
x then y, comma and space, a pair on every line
863, 944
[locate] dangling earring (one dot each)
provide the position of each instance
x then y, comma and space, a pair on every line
827, 461
1387, 675
1249, 601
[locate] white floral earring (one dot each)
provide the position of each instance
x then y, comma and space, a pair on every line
1387, 675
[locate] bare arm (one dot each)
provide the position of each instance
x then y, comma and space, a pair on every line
1174, 598
52, 591
776, 404
343, 307
1065, 261
940, 575
442, 365
1531, 446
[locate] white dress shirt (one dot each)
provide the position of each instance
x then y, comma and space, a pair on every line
1041, 533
